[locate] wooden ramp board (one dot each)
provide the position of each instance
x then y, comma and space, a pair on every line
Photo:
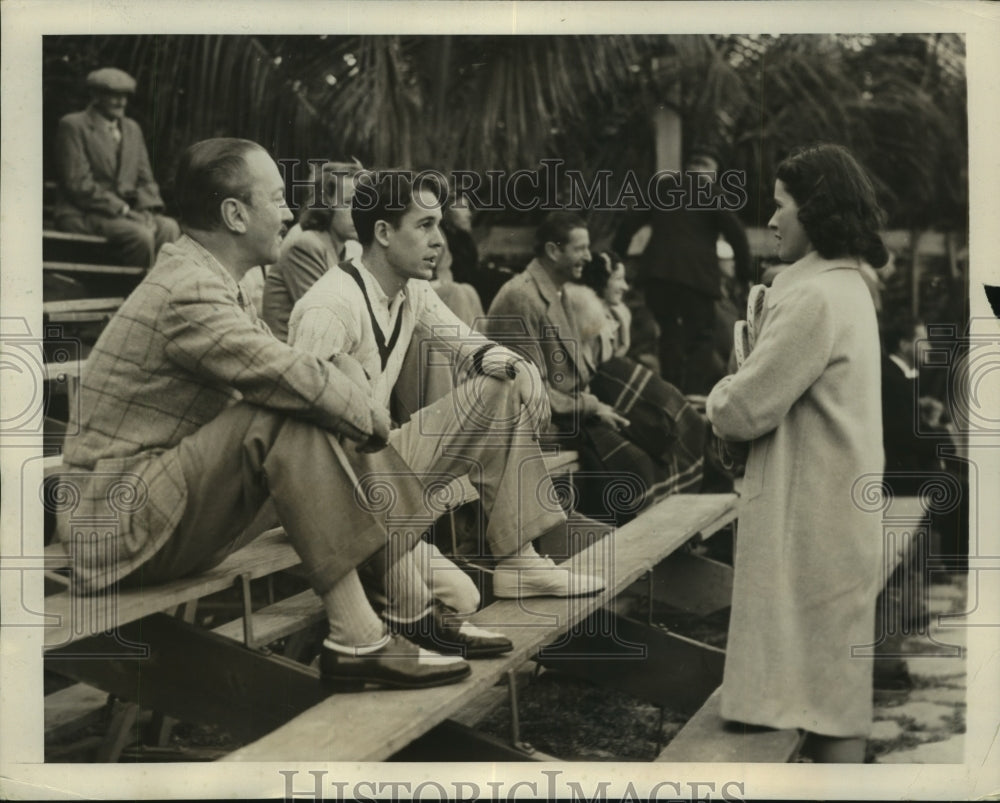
373, 725
76, 616
69, 709
276, 621
90, 267
707, 737
70, 237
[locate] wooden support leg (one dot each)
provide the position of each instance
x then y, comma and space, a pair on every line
197, 676
162, 725
670, 670
688, 582
123, 719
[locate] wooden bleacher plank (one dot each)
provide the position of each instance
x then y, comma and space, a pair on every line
81, 305
707, 737
72, 237
269, 553
87, 267
374, 725
72, 708
281, 619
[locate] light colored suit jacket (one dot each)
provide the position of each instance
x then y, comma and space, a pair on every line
95, 177
528, 316
183, 347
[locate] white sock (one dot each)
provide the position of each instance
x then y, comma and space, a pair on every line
352, 621
408, 594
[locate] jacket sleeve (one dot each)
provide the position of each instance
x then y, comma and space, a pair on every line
790, 354
438, 323
527, 341
210, 336
77, 178
147, 190
302, 265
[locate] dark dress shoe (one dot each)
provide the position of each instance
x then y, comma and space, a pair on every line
443, 630
399, 664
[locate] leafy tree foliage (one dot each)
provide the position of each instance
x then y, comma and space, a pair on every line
507, 102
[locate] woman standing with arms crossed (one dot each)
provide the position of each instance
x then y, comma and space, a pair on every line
807, 398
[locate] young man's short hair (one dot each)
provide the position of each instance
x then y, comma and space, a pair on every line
387, 195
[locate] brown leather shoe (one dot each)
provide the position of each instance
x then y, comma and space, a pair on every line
398, 664
443, 630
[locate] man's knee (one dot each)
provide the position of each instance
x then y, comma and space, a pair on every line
486, 402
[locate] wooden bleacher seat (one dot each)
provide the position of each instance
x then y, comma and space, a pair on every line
300, 729
71, 237
392, 719
707, 737
269, 553
81, 310
89, 267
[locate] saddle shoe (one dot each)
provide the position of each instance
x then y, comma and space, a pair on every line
443, 630
394, 662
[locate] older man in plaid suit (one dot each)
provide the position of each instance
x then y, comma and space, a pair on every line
192, 406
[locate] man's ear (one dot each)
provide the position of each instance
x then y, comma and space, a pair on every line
552, 251
234, 215
382, 229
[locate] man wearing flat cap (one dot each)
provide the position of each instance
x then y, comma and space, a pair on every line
106, 184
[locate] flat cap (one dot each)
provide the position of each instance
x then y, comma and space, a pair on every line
110, 79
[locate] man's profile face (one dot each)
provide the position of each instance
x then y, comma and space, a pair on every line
267, 212
413, 247
572, 255
111, 104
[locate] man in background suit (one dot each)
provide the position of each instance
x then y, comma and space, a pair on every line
106, 184
679, 269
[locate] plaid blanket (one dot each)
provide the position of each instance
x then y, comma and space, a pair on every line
662, 423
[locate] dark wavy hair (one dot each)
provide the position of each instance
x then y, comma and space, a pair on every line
837, 203
387, 195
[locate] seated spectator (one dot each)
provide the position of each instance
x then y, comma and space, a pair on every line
106, 184
190, 404
371, 310
467, 268
531, 314
663, 422
326, 236
457, 294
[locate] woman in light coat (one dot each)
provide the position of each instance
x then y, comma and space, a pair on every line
807, 398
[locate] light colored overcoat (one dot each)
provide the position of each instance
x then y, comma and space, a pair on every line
808, 557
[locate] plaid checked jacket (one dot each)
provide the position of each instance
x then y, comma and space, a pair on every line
182, 348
